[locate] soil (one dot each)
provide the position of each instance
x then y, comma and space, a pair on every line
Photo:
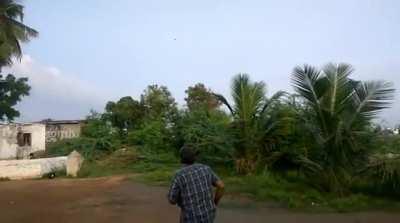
116, 199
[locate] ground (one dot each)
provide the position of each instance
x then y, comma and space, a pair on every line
118, 199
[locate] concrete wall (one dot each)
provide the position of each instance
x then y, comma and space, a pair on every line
8, 141
9, 148
28, 169
55, 132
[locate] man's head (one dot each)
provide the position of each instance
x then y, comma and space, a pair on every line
188, 154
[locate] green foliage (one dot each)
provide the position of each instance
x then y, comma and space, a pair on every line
158, 122
209, 132
301, 150
285, 142
156, 168
293, 191
387, 143
152, 135
201, 98
383, 173
96, 126
85, 146
12, 90
12, 31
121, 161
159, 104
252, 121
126, 114
90, 148
289, 190
146, 166
340, 110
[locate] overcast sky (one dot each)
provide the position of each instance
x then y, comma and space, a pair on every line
92, 51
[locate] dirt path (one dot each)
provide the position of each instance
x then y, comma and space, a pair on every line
117, 200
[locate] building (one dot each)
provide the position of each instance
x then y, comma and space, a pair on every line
62, 129
21, 140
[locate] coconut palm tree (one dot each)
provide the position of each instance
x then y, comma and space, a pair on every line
340, 110
12, 31
249, 111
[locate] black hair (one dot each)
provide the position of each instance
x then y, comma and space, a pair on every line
188, 154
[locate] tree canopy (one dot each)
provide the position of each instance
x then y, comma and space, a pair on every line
158, 103
199, 97
12, 90
12, 31
124, 114
339, 114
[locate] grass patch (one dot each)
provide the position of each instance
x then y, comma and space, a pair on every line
295, 194
290, 190
119, 162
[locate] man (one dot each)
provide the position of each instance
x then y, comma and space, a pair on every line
192, 189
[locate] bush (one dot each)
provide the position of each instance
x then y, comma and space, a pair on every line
121, 161
209, 132
90, 148
153, 135
97, 127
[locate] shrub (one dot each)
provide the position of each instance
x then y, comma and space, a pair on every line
153, 135
209, 132
90, 148
97, 127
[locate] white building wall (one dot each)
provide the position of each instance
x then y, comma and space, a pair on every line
9, 148
38, 132
8, 142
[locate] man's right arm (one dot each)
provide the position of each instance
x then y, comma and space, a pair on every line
220, 189
219, 185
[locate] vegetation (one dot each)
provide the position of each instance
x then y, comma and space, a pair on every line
339, 112
124, 114
252, 121
317, 149
12, 90
201, 98
12, 33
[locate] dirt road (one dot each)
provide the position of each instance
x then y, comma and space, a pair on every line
117, 200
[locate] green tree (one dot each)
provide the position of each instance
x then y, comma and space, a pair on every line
339, 112
12, 90
250, 112
96, 126
153, 135
12, 31
210, 133
159, 104
199, 97
125, 114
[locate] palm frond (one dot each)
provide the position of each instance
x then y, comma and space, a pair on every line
274, 98
26, 31
308, 83
13, 31
338, 81
248, 96
304, 79
371, 97
223, 100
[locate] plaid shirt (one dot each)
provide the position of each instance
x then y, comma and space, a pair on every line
191, 190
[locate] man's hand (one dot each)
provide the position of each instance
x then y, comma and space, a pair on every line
219, 192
